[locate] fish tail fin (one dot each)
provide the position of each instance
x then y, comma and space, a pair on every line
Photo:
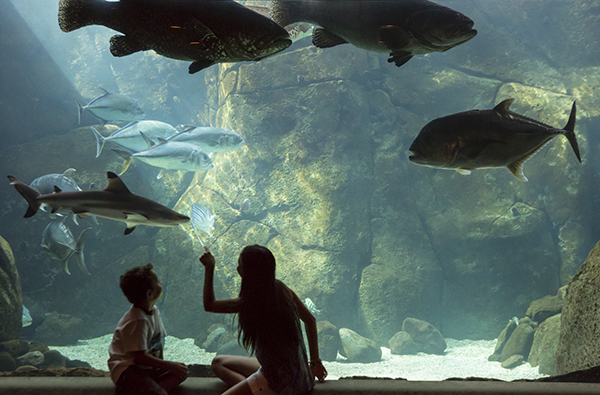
127, 156
570, 132
282, 12
29, 194
74, 14
79, 112
79, 251
99, 141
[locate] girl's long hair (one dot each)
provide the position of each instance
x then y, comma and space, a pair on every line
268, 317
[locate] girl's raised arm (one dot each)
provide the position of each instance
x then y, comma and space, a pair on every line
211, 305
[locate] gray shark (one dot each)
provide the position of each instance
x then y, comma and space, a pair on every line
115, 202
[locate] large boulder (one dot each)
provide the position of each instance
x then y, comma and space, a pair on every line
357, 348
427, 338
11, 301
545, 344
579, 343
519, 342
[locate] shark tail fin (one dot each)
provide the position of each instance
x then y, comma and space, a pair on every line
29, 194
79, 251
99, 141
570, 132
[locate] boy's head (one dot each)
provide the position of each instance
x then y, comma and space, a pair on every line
139, 284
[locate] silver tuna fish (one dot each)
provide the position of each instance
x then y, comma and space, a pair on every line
129, 136
169, 155
59, 243
208, 138
112, 107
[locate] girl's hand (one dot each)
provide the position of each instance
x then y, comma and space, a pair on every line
318, 370
207, 259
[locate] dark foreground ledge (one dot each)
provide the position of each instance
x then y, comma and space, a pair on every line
213, 386
95, 382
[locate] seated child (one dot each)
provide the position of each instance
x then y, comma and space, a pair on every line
136, 353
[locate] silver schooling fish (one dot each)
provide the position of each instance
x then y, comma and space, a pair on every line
202, 219
208, 138
115, 202
45, 184
129, 136
169, 155
112, 107
204, 32
59, 243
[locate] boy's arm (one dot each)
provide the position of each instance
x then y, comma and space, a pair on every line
310, 324
144, 358
208, 295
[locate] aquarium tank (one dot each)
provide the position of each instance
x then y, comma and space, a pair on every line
309, 147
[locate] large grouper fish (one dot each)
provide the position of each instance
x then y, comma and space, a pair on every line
486, 138
403, 28
202, 31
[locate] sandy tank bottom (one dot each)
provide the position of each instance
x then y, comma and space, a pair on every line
463, 358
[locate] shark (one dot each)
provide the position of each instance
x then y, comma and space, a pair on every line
115, 202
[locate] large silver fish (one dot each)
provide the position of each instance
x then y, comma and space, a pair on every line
486, 138
129, 136
169, 155
402, 28
112, 107
45, 184
208, 138
115, 202
59, 243
204, 32
202, 219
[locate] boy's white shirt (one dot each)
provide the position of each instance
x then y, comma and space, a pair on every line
136, 331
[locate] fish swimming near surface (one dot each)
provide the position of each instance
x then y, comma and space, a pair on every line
115, 202
112, 107
59, 243
402, 28
208, 138
202, 219
204, 32
486, 138
169, 155
129, 136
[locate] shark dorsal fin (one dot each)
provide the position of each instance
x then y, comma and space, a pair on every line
57, 189
115, 185
503, 106
161, 140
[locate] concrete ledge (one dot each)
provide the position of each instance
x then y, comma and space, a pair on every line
213, 386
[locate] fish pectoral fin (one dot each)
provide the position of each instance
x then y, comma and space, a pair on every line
123, 46
473, 150
200, 65
321, 38
463, 172
517, 169
206, 38
399, 58
130, 229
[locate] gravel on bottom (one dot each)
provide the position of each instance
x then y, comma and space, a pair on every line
463, 358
